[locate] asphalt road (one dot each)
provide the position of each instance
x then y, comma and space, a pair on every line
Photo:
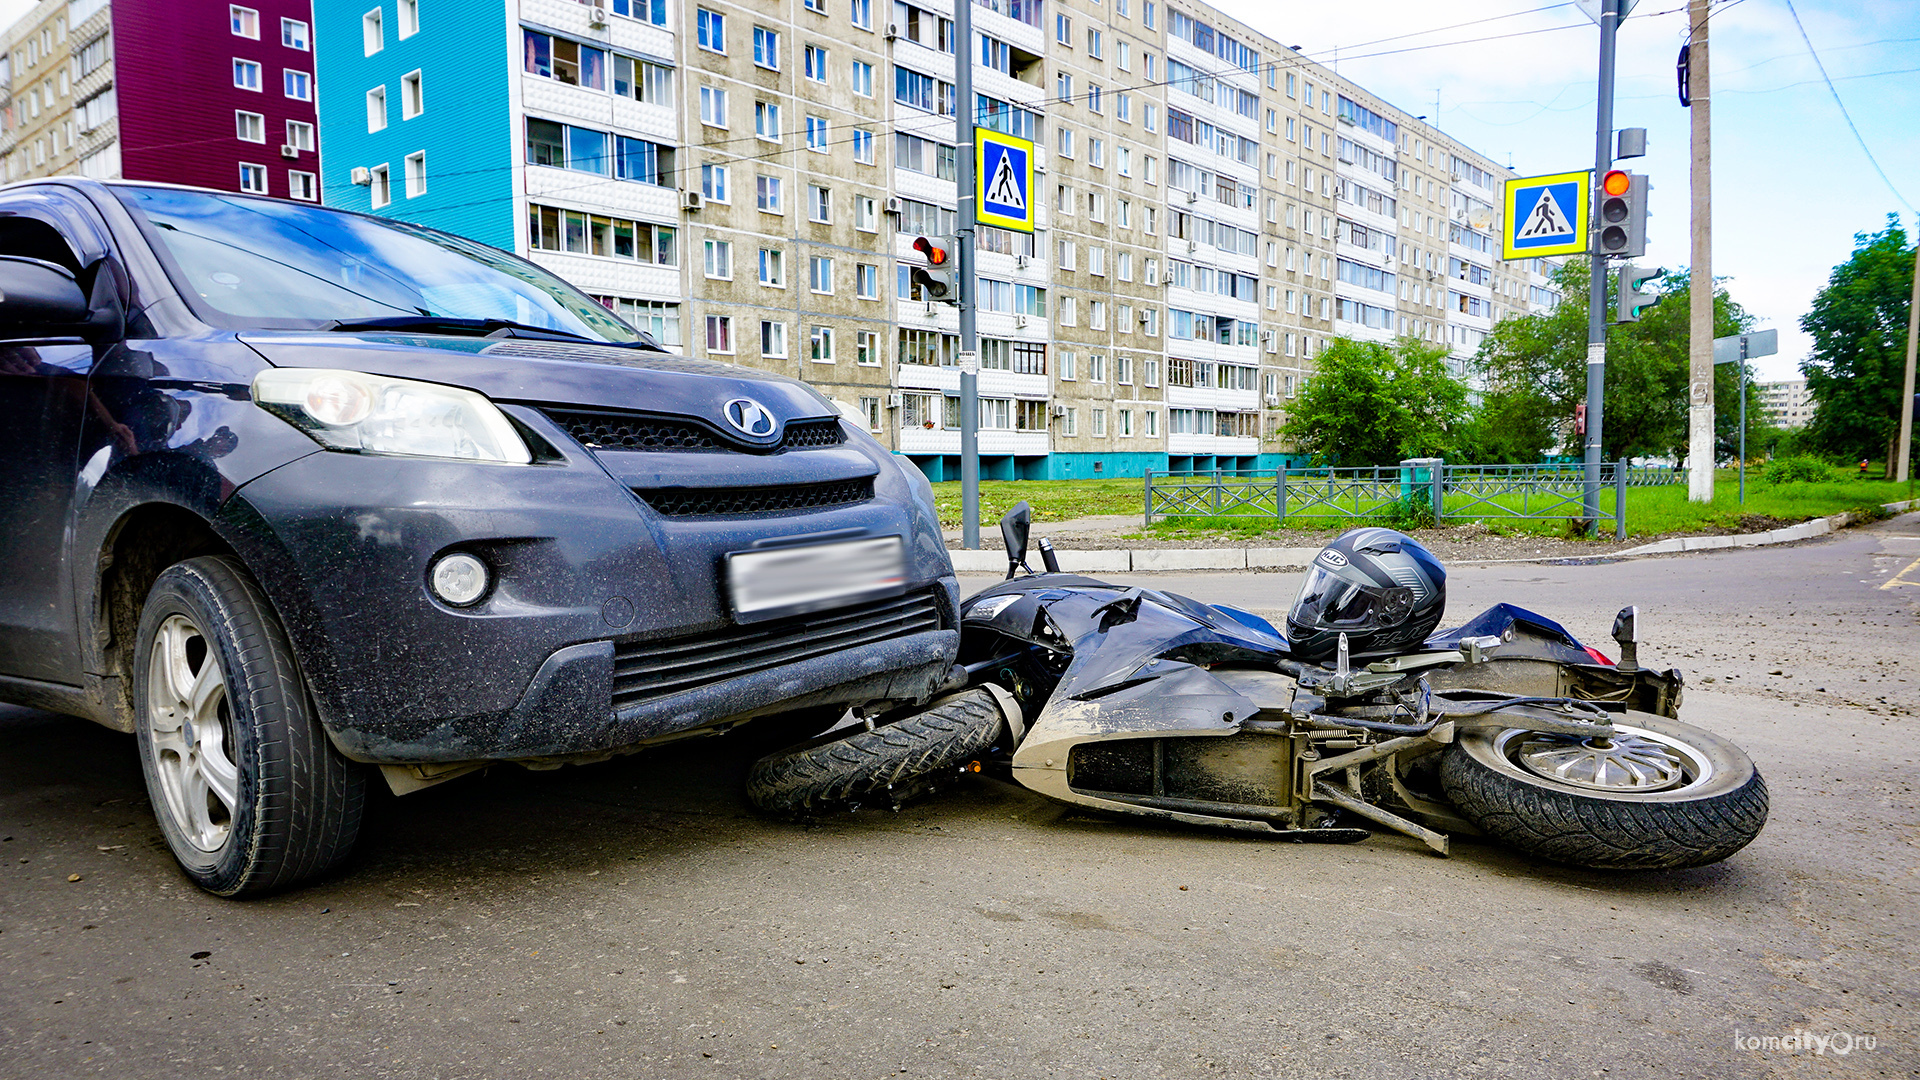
634, 919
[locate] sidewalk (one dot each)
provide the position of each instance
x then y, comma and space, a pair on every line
1101, 544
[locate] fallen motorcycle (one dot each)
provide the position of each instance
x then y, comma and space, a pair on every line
1152, 704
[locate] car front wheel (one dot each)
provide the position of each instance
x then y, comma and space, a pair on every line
249, 793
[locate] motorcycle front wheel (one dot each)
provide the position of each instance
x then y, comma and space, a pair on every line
1658, 795
890, 762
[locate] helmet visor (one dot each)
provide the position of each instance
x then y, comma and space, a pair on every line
1331, 601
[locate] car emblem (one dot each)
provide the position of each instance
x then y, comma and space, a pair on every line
749, 417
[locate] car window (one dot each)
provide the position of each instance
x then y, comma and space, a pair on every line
35, 239
264, 263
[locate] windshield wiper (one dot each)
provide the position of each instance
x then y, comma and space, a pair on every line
449, 324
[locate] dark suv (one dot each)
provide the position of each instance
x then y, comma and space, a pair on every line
290, 492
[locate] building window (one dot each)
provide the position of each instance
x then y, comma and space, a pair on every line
866, 352
300, 135
773, 340
246, 23
863, 147
820, 274
293, 35
766, 121
766, 48
866, 281
298, 84
861, 13
815, 63
819, 6
713, 106
246, 75
863, 78
866, 213
302, 185
249, 127
819, 204
416, 174
382, 188
713, 183
412, 100
820, 344
1152, 419
371, 38
409, 17
1070, 423
253, 178
711, 30
767, 192
773, 268
719, 259
376, 109
720, 334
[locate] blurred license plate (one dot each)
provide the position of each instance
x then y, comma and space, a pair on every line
792, 580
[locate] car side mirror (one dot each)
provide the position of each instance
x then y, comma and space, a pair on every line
1014, 527
37, 296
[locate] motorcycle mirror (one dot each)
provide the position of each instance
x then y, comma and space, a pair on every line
1014, 527
1626, 633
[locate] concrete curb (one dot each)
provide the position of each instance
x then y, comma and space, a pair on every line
1130, 560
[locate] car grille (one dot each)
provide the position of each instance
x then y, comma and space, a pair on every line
686, 502
646, 670
597, 430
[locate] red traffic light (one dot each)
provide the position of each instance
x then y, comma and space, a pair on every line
1616, 182
936, 255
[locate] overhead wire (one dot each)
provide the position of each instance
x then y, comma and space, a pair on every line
1848, 117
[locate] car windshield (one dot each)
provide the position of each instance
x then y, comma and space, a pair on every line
253, 262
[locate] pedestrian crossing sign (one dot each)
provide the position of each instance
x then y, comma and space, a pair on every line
1546, 215
1003, 180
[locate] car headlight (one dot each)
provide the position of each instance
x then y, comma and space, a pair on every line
374, 414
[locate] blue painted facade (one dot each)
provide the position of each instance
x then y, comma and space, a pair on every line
1095, 466
465, 127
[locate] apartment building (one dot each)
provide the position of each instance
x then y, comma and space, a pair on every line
1786, 403
198, 92
745, 178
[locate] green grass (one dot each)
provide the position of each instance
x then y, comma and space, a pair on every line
1650, 510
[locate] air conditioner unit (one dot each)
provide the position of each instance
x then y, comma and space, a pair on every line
1266, 335
893, 205
362, 175
1146, 316
895, 401
692, 200
1019, 321
1058, 410
288, 150
1193, 246
1021, 261
1193, 196
1273, 400
893, 31
597, 15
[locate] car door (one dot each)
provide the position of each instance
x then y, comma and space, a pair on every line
44, 401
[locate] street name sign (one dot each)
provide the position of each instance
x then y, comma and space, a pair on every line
1546, 215
1736, 347
1003, 179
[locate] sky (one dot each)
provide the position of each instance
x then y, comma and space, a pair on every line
1515, 79
1791, 183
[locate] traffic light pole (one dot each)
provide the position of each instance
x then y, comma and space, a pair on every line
1597, 286
963, 116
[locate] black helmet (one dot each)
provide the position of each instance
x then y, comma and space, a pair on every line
1379, 587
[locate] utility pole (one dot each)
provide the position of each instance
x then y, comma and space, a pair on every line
963, 117
1906, 386
1609, 21
1700, 291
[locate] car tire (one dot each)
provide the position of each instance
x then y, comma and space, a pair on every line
250, 794
890, 761
1713, 803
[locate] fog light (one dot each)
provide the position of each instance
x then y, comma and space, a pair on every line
459, 579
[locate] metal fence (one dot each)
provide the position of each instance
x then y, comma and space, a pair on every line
1399, 492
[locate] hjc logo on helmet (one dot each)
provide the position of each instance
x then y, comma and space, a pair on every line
1332, 557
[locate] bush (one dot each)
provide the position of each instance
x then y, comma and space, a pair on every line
1797, 469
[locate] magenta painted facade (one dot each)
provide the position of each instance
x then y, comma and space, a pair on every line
178, 80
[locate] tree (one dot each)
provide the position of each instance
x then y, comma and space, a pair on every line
1535, 367
1371, 404
1859, 327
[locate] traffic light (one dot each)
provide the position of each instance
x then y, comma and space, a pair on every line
1623, 214
1632, 300
939, 279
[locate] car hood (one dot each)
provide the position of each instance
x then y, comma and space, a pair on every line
541, 372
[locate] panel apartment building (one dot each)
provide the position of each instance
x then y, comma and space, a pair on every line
198, 92
746, 179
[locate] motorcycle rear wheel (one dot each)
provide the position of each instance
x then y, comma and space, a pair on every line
1661, 795
839, 771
